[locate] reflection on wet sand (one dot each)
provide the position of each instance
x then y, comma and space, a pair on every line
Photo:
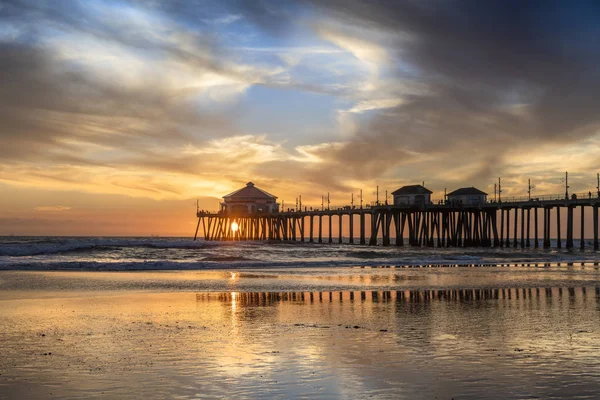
449, 343
412, 296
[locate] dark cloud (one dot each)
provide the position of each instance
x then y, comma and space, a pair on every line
495, 75
500, 75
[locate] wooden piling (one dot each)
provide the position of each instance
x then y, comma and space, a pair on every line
197, 227
351, 226
508, 227
386, 228
320, 228
535, 223
362, 227
522, 228
546, 228
558, 237
569, 227
582, 244
515, 240
595, 216
528, 243
501, 227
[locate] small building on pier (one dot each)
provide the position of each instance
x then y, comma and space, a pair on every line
412, 195
249, 200
468, 196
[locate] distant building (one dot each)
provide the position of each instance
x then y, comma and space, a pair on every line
469, 196
411, 195
249, 200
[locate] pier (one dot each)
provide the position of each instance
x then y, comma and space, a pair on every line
517, 223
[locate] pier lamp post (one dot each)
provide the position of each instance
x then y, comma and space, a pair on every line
361, 199
566, 186
530, 187
499, 190
598, 184
328, 202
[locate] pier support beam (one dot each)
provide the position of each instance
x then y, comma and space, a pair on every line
508, 228
387, 220
501, 227
558, 237
546, 228
595, 216
528, 243
362, 228
351, 226
197, 227
310, 227
320, 228
374, 228
569, 227
582, 244
522, 228
535, 222
515, 240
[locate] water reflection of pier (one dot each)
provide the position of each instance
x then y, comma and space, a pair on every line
400, 296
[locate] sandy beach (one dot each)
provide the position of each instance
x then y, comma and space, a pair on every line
421, 336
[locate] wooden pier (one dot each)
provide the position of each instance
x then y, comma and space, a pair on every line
496, 224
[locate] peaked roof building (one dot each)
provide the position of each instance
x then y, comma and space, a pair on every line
412, 189
249, 200
467, 191
249, 192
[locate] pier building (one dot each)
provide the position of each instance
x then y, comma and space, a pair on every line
412, 194
468, 196
249, 200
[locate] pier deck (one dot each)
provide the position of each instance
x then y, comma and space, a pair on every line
431, 225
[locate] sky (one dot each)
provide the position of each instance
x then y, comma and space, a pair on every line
117, 116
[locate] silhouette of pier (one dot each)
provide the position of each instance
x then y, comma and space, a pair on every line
518, 223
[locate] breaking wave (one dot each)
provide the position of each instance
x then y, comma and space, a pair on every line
113, 253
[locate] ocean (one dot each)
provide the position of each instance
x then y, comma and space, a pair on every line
151, 253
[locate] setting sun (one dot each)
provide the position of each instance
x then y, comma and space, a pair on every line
234, 226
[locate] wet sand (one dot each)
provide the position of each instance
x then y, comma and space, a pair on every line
92, 335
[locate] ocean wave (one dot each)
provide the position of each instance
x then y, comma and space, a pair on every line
57, 246
365, 254
225, 259
234, 263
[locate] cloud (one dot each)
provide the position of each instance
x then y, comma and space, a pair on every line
145, 97
492, 77
52, 208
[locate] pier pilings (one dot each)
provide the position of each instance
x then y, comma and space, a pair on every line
486, 225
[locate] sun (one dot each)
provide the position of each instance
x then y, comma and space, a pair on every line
234, 226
